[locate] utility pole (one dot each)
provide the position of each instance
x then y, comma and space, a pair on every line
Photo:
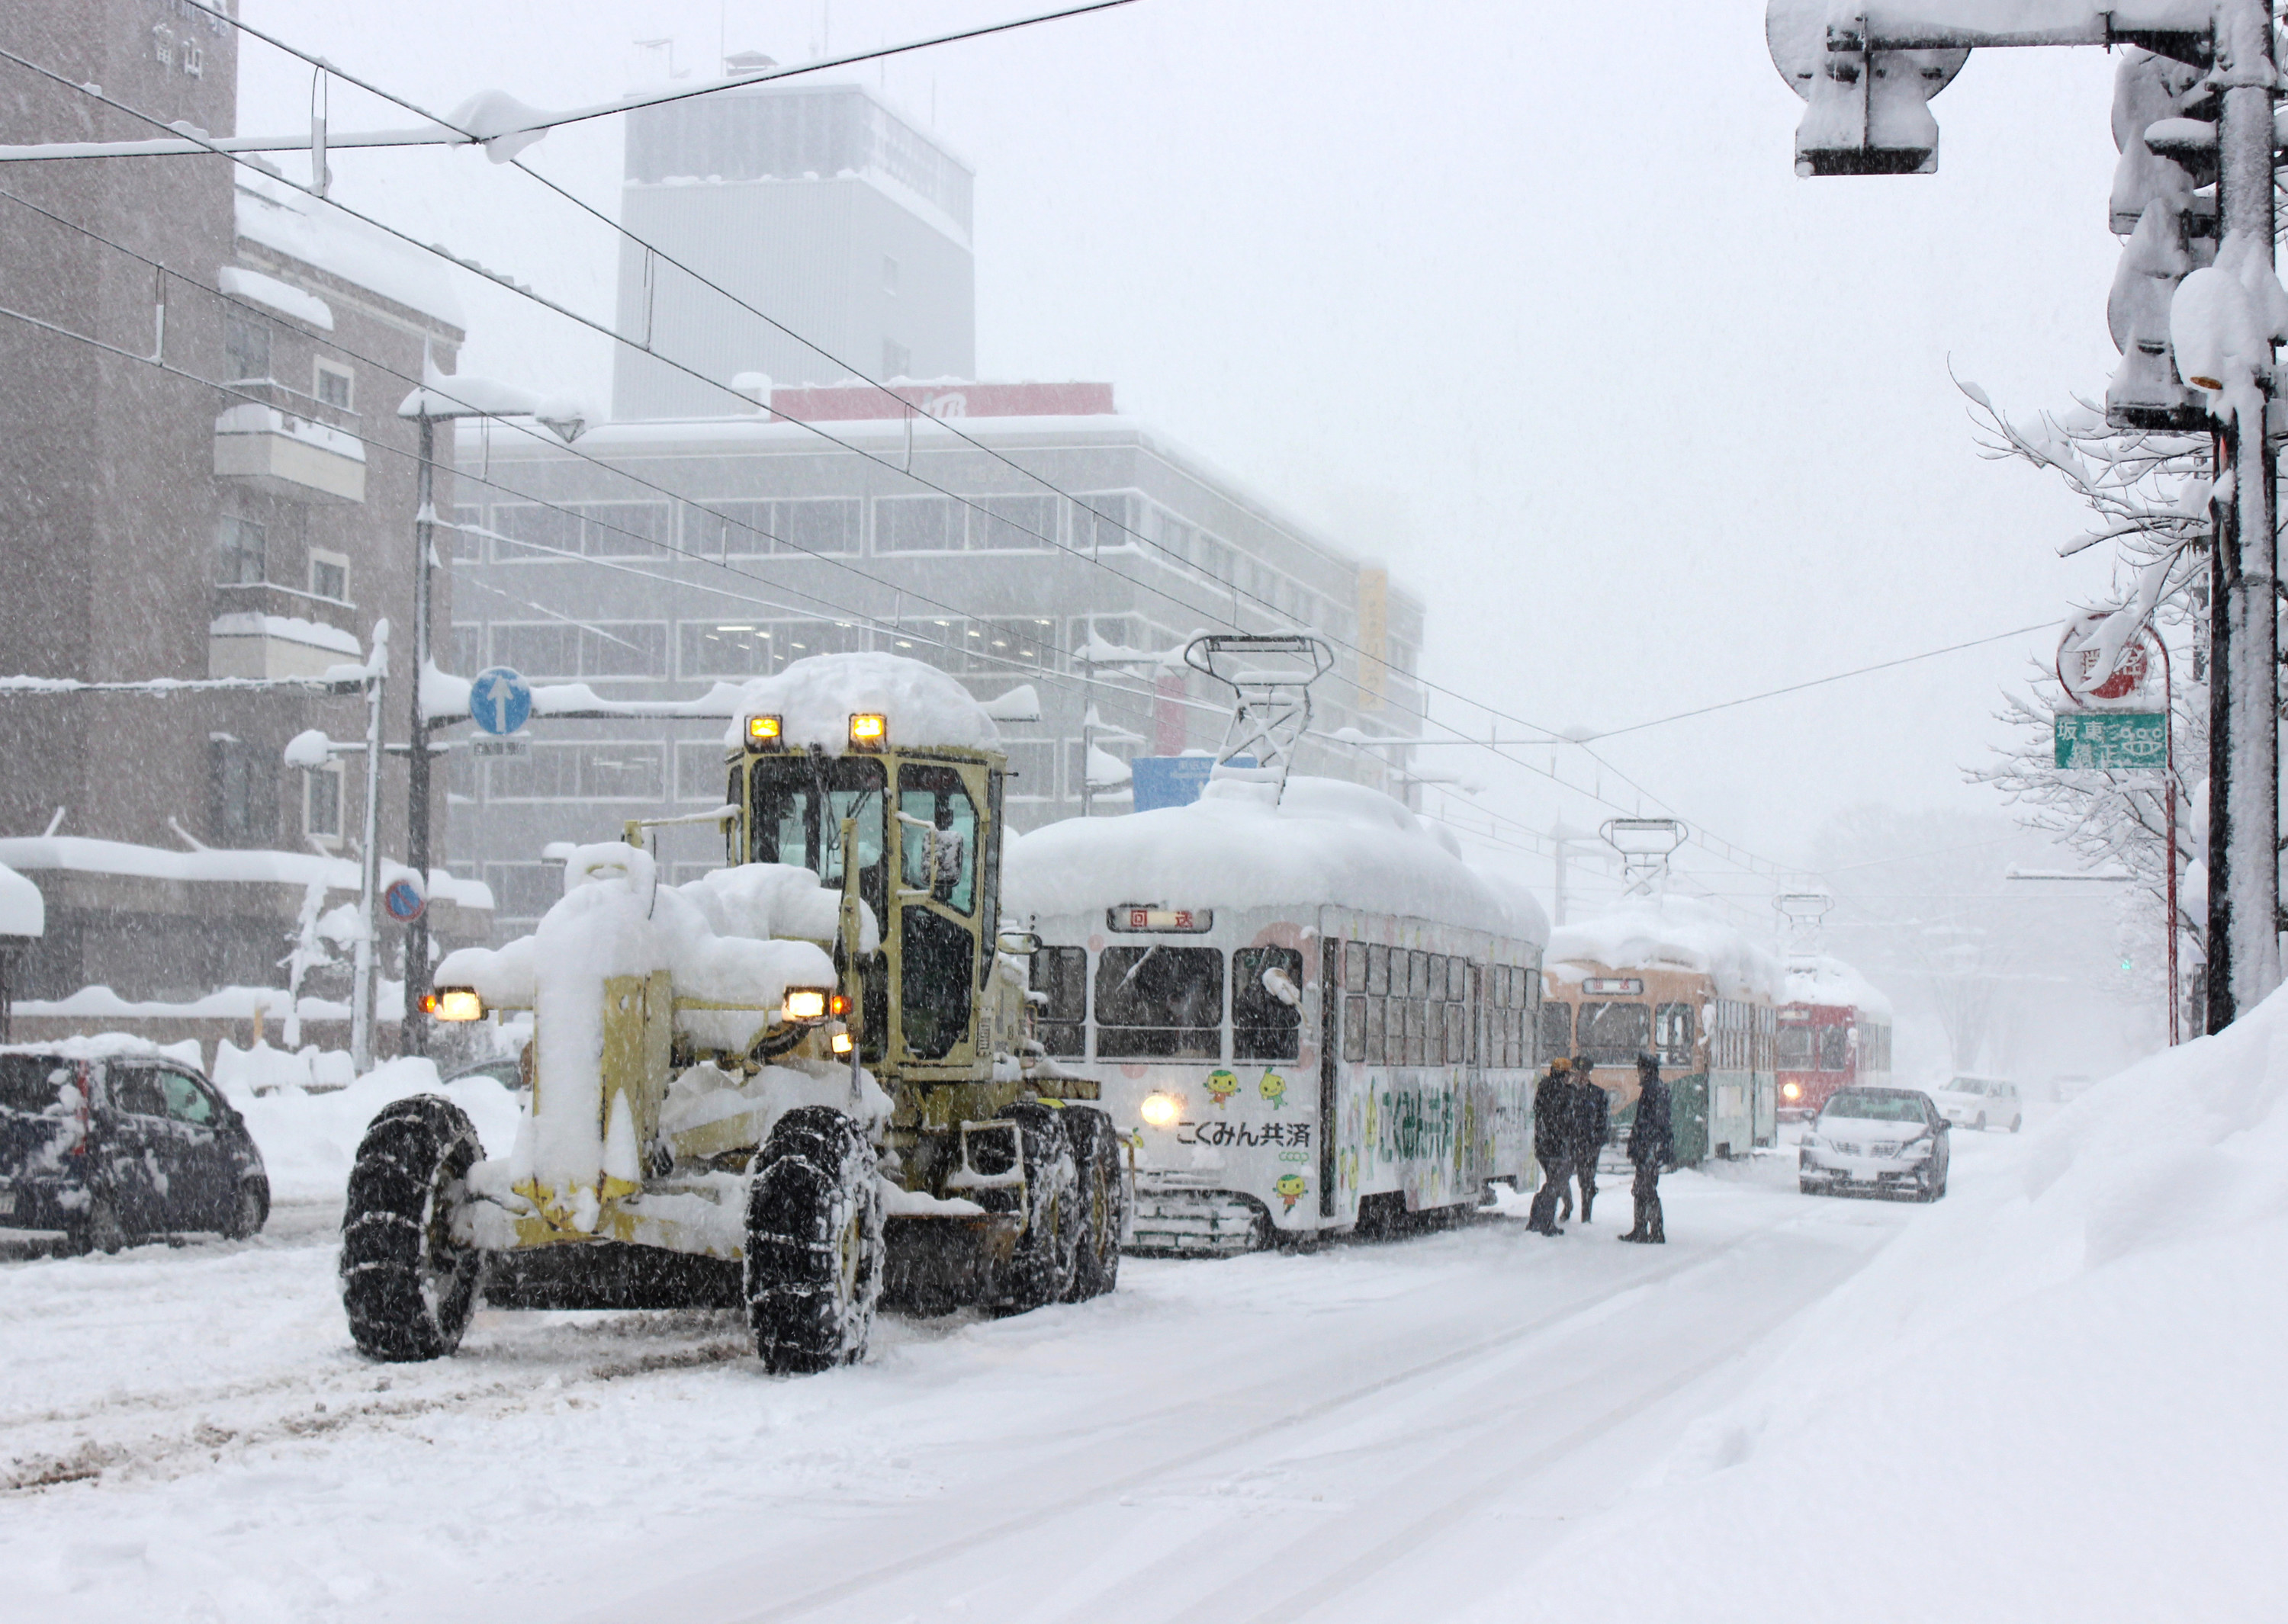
2205, 96
413, 1030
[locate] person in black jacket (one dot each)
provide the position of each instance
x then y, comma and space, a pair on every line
1592, 1125
1553, 1145
1652, 1145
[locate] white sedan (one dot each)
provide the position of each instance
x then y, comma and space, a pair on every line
1980, 1102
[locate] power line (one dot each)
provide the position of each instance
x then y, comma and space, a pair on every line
1816, 682
1731, 853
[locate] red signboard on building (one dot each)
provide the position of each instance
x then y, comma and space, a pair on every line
853, 402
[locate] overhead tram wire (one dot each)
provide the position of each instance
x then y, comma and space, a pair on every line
96, 93
1270, 608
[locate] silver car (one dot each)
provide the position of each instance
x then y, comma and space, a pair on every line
1877, 1141
1980, 1102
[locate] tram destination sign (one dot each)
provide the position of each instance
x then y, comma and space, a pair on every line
2113, 740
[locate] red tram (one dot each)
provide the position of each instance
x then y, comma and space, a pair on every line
1834, 1031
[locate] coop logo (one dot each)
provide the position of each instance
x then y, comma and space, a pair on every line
953, 403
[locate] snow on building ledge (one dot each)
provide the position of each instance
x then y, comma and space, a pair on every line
23, 913
271, 645
281, 454
283, 297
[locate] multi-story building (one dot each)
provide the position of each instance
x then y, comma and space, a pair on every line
817, 204
709, 534
224, 491
653, 559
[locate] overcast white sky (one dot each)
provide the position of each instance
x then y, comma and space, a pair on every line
1525, 299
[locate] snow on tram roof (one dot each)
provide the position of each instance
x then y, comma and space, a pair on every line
815, 699
1674, 931
1327, 841
1831, 981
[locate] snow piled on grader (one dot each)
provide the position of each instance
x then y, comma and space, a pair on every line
815, 700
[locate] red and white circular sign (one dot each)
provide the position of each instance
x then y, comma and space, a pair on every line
2079, 652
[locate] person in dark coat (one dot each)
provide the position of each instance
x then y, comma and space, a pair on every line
1592, 1125
1652, 1145
1553, 1145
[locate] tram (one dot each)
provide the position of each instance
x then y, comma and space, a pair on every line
1307, 1011
1834, 1030
1666, 975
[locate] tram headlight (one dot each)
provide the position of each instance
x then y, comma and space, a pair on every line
1160, 1110
1791, 1090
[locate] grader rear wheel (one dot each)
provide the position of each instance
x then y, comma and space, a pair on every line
1047, 1257
1103, 1199
813, 1271
409, 1284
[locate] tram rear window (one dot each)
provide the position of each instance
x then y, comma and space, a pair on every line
1160, 1002
1061, 975
1266, 1004
1614, 1034
1671, 1031
1556, 1031
1834, 1048
1795, 1048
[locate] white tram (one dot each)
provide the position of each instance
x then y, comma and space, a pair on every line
1306, 1015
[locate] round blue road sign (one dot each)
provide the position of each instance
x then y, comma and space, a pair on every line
403, 900
500, 701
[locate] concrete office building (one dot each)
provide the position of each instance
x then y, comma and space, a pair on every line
714, 548
243, 509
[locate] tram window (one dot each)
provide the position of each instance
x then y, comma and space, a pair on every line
1355, 957
1266, 1004
1457, 1042
1834, 1048
1061, 975
1795, 1049
1378, 971
1457, 980
935, 797
1504, 984
1518, 1053
1159, 1002
1377, 1010
1556, 1031
1614, 1034
1672, 1033
1355, 1028
1406, 1032
1417, 975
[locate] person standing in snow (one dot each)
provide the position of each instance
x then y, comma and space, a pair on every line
1592, 1125
1553, 1145
1652, 1144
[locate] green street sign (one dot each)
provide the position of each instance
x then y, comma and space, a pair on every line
2118, 740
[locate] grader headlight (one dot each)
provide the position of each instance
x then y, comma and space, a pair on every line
843, 1043
764, 732
870, 730
453, 1004
806, 1002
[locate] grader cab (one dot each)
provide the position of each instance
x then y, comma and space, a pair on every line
799, 1085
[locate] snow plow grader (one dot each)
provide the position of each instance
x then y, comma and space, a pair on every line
799, 1086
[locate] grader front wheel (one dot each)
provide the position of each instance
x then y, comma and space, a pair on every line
1047, 1260
1103, 1197
814, 1269
408, 1283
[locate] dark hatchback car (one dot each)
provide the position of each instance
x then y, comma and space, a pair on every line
107, 1144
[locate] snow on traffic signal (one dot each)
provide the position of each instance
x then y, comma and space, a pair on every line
2163, 201
1867, 110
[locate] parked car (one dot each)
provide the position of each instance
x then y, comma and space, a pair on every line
1878, 1140
508, 1070
111, 1139
2068, 1087
1981, 1101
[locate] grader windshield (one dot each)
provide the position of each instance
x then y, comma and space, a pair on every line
800, 800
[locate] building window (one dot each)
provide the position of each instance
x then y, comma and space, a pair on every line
333, 386
245, 349
238, 552
889, 274
916, 524
555, 649
329, 576
1012, 524
242, 791
321, 804
897, 360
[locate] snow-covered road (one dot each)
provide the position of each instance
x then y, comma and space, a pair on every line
1385, 1431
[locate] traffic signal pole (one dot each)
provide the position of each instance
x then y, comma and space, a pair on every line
1866, 80
2243, 856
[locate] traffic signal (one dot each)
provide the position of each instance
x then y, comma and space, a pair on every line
1867, 111
2165, 202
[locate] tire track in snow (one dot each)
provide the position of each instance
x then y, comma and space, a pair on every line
1031, 1519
